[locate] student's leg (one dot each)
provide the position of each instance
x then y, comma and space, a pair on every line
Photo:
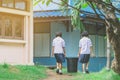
86, 68
62, 59
83, 67
60, 68
87, 64
57, 64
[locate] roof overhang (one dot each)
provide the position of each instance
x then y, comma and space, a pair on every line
54, 19
58, 15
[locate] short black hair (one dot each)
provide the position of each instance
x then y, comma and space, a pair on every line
58, 34
84, 34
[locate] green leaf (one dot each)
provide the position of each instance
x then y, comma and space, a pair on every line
48, 2
75, 19
35, 2
107, 1
84, 5
105, 37
43, 1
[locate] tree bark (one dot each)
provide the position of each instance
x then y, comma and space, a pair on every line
108, 64
115, 43
112, 30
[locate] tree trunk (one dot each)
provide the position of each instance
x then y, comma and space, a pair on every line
108, 64
112, 30
115, 43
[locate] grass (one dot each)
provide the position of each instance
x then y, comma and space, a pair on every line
102, 75
19, 72
8, 72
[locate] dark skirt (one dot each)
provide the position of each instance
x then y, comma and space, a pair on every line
84, 58
60, 58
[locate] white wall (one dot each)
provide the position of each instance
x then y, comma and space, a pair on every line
41, 45
12, 53
18, 51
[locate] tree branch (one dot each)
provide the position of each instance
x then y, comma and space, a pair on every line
67, 5
116, 9
92, 6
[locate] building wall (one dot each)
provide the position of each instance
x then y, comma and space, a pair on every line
12, 53
42, 39
15, 51
99, 45
95, 64
71, 38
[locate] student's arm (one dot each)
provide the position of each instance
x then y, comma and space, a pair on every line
52, 50
91, 51
79, 52
63, 46
64, 51
53, 46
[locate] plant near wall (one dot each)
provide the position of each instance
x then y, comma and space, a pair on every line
5, 65
108, 9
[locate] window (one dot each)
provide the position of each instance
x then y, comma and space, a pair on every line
20, 4
95, 28
16, 4
11, 26
8, 27
8, 3
18, 27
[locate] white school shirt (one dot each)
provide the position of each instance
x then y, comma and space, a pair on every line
85, 44
58, 44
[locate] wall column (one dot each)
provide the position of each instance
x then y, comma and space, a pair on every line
30, 56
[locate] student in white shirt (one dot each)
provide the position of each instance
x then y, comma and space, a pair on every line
85, 48
58, 50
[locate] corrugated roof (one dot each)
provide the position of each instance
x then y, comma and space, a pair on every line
59, 13
50, 13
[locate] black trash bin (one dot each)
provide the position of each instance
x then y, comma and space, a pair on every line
72, 63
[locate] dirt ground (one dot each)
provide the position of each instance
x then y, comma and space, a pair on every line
52, 75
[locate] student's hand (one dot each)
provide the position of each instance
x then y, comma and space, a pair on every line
52, 54
92, 55
65, 54
78, 54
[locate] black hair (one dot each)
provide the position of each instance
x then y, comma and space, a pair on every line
85, 34
58, 34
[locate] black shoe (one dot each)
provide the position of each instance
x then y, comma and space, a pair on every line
60, 73
57, 71
87, 71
